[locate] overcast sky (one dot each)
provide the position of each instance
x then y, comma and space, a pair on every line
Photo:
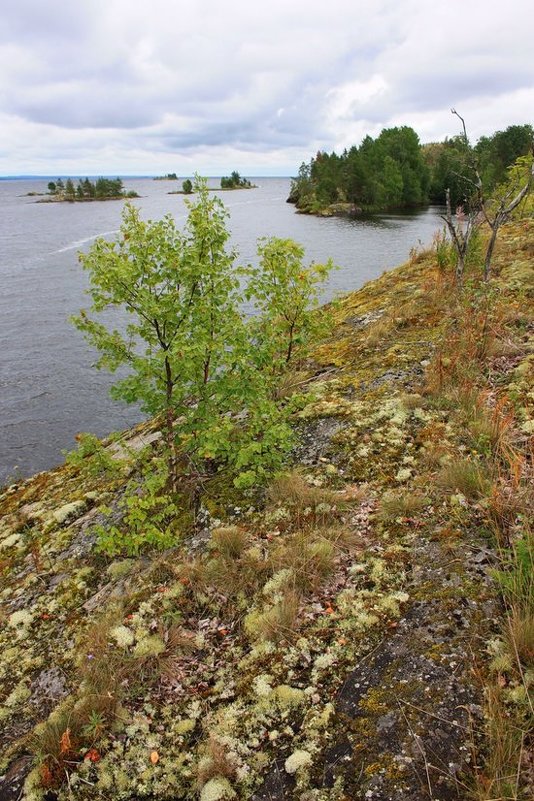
156, 86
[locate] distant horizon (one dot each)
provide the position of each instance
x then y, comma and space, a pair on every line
52, 176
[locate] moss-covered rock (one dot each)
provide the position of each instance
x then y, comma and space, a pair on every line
321, 644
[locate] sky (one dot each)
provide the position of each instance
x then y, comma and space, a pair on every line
147, 87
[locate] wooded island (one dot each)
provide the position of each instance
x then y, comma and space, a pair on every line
86, 190
395, 171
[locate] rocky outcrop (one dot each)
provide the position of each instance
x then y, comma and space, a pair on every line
323, 640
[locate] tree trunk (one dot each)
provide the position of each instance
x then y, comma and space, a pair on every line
172, 460
489, 250
460, 268
459, 244
289, 351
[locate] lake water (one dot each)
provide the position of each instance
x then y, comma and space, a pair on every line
49, 390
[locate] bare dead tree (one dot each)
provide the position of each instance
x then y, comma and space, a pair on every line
481, 209
460, 230
502, 209
467, 220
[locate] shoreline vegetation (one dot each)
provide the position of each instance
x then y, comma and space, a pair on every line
235, 181
352, 620
85, 191
394, 172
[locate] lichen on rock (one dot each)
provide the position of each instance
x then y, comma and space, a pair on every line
324, 645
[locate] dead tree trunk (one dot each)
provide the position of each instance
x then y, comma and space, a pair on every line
460, 236
479, 211
501, 216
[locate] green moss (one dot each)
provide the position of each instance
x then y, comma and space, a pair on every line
375, 702
120, 568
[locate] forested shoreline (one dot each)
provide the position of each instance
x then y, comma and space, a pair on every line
395, 171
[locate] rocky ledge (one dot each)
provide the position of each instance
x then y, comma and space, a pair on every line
328, 639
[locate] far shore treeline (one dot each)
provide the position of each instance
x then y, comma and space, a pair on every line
395, 171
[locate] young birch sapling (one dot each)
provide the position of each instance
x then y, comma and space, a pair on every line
285, 294
191, 356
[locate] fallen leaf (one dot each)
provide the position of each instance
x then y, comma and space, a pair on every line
65, 744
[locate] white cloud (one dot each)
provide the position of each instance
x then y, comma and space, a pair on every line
346, 98
111, 85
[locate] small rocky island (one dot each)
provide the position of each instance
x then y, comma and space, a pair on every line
228, 183
235, 181
86, 191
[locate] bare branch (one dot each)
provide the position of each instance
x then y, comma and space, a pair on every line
522, 194
453, 111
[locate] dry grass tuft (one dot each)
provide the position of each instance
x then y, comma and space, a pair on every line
465, 476
413, 401
230, 577
343, 538
99, 665
290, 383
505, 506
380, 331
179, 643
309, 560
434, 455
401, 504
292, 490
275, 623
308, 506
230, 541
521, 636
215, 762
55, 745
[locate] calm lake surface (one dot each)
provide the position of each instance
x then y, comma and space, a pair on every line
49, 390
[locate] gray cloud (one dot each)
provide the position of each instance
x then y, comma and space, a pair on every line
124, 85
